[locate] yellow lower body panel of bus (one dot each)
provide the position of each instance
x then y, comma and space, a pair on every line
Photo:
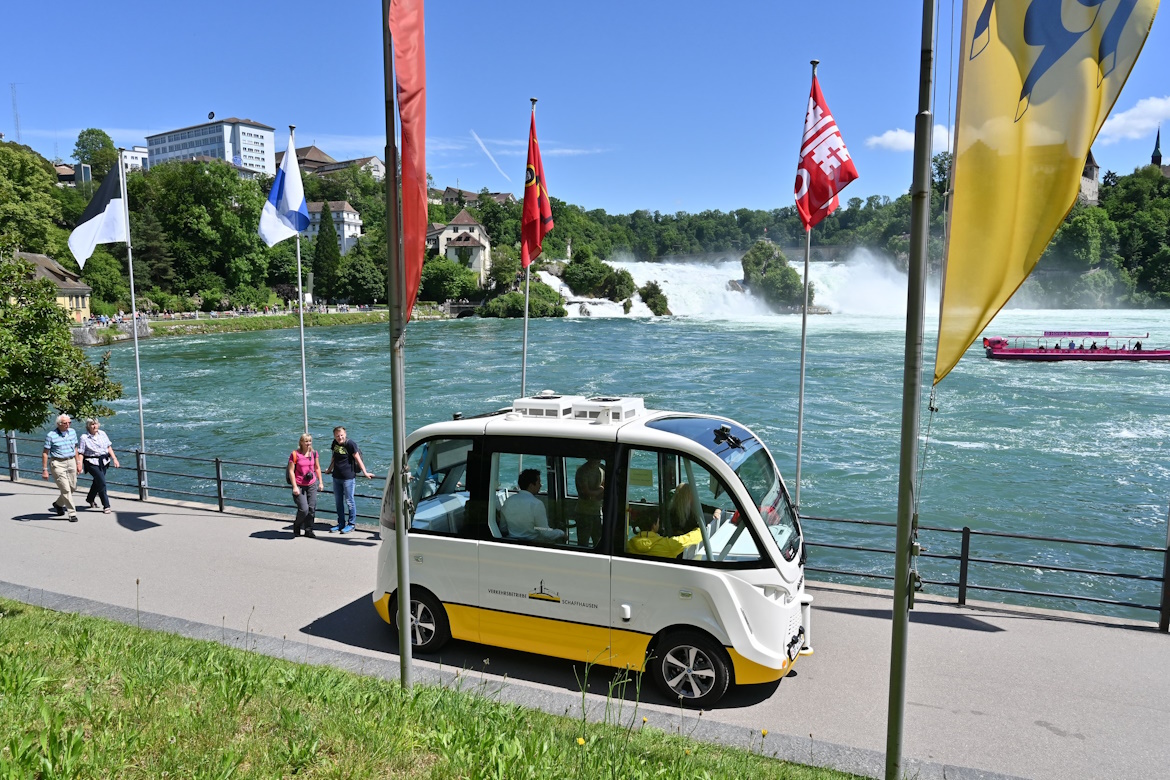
573, 641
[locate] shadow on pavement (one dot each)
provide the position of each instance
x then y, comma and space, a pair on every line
925, 618
357, 624
135, 521
285, 534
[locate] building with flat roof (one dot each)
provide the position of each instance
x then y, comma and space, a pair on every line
136, 159
243, 142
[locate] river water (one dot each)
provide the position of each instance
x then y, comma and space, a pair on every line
1071, 450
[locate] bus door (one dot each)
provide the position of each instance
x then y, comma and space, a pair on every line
447, 526
544, 567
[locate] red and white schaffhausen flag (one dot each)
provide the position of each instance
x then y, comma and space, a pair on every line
825, 166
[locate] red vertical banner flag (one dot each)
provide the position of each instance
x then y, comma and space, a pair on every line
536, 219
410, 75
825, 166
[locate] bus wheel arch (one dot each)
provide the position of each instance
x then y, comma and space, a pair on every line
689, 666
430, 628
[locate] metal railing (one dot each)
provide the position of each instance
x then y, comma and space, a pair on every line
229, 484
964, 560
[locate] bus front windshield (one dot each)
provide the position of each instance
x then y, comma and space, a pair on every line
748, 458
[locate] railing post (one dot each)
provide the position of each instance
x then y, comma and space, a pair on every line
140, 464
219, 482
1164, 614
964, 560
13, 459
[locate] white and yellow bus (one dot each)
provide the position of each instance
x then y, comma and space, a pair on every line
596, 530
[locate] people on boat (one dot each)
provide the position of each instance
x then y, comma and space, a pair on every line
1072, 344
1137, 347
1093, 345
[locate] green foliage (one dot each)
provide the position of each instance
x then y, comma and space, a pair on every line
96, 149
543, 301
586, 275
445, 280
326, 259
653, 297
40, 370
363, 275
767, 273
154, 266
505, 268
28, 206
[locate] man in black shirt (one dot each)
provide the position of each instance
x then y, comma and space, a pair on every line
346, 455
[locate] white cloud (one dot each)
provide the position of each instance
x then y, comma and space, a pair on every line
1141, 121
899, 140
571, 152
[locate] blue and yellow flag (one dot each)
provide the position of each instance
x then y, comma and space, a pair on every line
1037, 80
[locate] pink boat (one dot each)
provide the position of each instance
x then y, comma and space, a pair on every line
1071, 345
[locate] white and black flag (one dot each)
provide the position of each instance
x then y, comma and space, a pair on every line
104, 220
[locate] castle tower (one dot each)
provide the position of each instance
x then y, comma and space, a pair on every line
1156, 157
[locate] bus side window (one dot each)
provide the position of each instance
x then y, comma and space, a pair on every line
643, 499
438, 486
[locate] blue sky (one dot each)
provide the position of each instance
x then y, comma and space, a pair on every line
665, 106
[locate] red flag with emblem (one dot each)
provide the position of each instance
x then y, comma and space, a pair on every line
536, 219
825, 166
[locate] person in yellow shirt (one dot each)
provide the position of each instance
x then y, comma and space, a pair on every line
683, 515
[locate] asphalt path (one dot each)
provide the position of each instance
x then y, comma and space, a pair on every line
992, 691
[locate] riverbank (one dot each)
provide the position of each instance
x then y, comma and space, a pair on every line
88, 337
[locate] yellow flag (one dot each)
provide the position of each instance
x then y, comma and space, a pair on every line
1037, 79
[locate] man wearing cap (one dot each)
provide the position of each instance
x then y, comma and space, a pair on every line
61, 458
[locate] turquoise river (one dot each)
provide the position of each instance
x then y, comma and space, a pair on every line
1071, 450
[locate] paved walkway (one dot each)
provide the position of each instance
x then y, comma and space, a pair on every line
992, 691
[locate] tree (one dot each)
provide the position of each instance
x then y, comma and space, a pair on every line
40, 369
363, 277
327, 258
505, 266
103, 273
653, 297
767, 273
445, 280
96, 149
543, 301
28, 208
153, 264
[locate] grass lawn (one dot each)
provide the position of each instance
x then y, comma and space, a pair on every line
83, 697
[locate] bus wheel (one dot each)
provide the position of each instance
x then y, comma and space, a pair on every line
429, 629
691, 668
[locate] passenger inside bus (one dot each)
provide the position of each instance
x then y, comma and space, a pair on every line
590, 484
524, 515
648, 542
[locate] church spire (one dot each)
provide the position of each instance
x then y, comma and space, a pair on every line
1156, 157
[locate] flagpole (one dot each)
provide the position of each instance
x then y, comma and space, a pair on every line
396, 298
133, 302
527, 282
906, 546
803, 345
292, 149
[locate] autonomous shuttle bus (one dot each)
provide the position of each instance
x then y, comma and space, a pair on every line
596, 530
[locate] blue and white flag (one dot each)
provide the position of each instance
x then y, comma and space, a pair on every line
285, 213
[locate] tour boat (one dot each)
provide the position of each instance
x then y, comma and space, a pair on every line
1071, 345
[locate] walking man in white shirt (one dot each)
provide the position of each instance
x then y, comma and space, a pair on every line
61, 455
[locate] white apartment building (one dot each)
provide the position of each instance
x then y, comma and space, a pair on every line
136, 159
243, 142
346, 221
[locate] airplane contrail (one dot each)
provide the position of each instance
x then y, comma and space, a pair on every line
489, 156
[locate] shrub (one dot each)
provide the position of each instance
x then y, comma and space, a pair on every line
543, 301
653, 297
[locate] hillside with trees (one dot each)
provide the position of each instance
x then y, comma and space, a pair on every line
196, 245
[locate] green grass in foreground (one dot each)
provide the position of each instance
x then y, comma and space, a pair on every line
276, 322
82, 697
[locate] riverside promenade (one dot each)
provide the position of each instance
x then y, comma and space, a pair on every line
992, 691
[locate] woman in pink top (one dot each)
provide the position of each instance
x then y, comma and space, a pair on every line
304, 472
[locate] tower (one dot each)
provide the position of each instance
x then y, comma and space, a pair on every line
1156, 157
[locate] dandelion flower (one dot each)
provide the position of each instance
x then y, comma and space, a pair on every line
763, 732
580, 740
644, 718
688, 752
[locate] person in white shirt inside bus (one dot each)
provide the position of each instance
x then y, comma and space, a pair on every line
525, 515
